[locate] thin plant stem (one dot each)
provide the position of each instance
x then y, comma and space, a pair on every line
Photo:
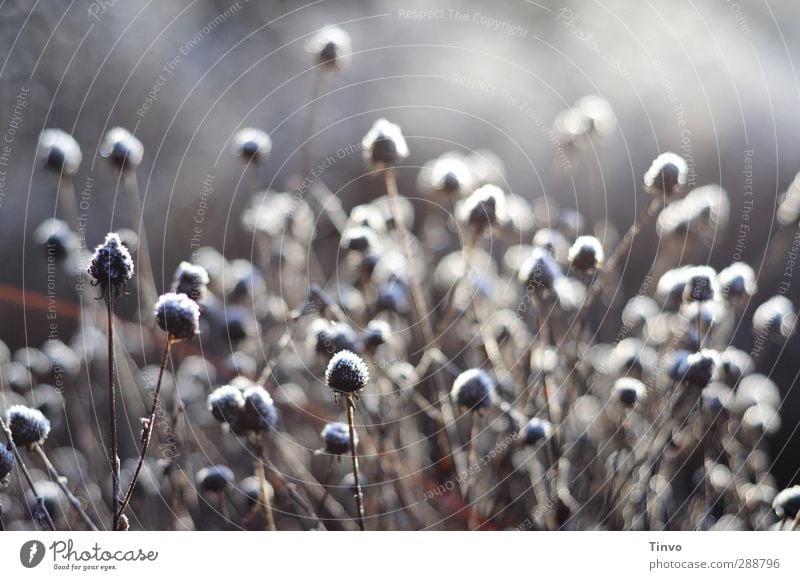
112, 413
145, 267
262, 482
354, 455
324, 483
68, 201
61, 481
42, 512
147, 432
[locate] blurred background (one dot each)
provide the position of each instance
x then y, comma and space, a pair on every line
713, 81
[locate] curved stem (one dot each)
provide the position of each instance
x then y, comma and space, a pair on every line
359, 496
147, 432
61, 481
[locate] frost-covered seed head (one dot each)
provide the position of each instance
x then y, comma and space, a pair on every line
252, 144
59, 151
360, 239
701, 284
28, 426
336, 437
377, 333
586, 253
536, 430
472, 390
192, 280
226, 404
540, 271
111, 266
259, 413
384, 145
629, 391
178, 316
485, 208
699, 368
346, 373
6, 463
56, 237
122, 148
215, 478
737, 281
787, 503
667, 175
331, 47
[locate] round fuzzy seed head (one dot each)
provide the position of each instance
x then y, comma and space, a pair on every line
586, 253
449, 175
259, 413
540, 271
667, 175
337, 438
56, 238
192, 280
252, 144
699, 368
331, 47
787, 503
122, 148
536, 430
28, 426
671, 286
6, 463
738, 281
111, 266
484, 208
472, 389
332, 338
775, 318
215, 478
701, 284
59, 151
226, 403
629, 391
384, 145
346, 373
360, 239
377, 333
178, 316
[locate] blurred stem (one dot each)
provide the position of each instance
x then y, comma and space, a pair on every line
61, 481
147, 431
147, 283
112, 413
43, 513
354, 455
68, 202
262, 482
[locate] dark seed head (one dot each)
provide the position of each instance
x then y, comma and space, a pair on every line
226, 404
178, 316
485, 208
536, 430
377, 333
111, 266
337, 438
346, 373
192, 280
629, 391
252, 144
787, 503
331, 47
540, 271
122, 148
699, 368
360, 239
384, 145
56, 238
701, 284
6, 463
667, 175
214, 478
28, 426
586, 253
737, 281
472, 390
59, 151
259, 413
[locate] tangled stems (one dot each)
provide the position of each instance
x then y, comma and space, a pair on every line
112, 413
41, 511
61, 481
147, 432
351, 406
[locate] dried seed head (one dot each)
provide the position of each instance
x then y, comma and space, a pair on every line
698, 368
331, 47
337, 438
717, 398
346, 373
330, 338
226, 404
376, 333
449, 175
671, 286
586, 254
360, 239
629, 391
472, 390
56, 237
122, 148
178, 316
59, 151
667, 175
259, 413
536, 430
775, 318
6, 464
215, 478
384, 145
540, 271
252, 144
701, 284
484, 209
111, 266
787, 503
392, 296
737, 281
192, 280
734, 364
28, 426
